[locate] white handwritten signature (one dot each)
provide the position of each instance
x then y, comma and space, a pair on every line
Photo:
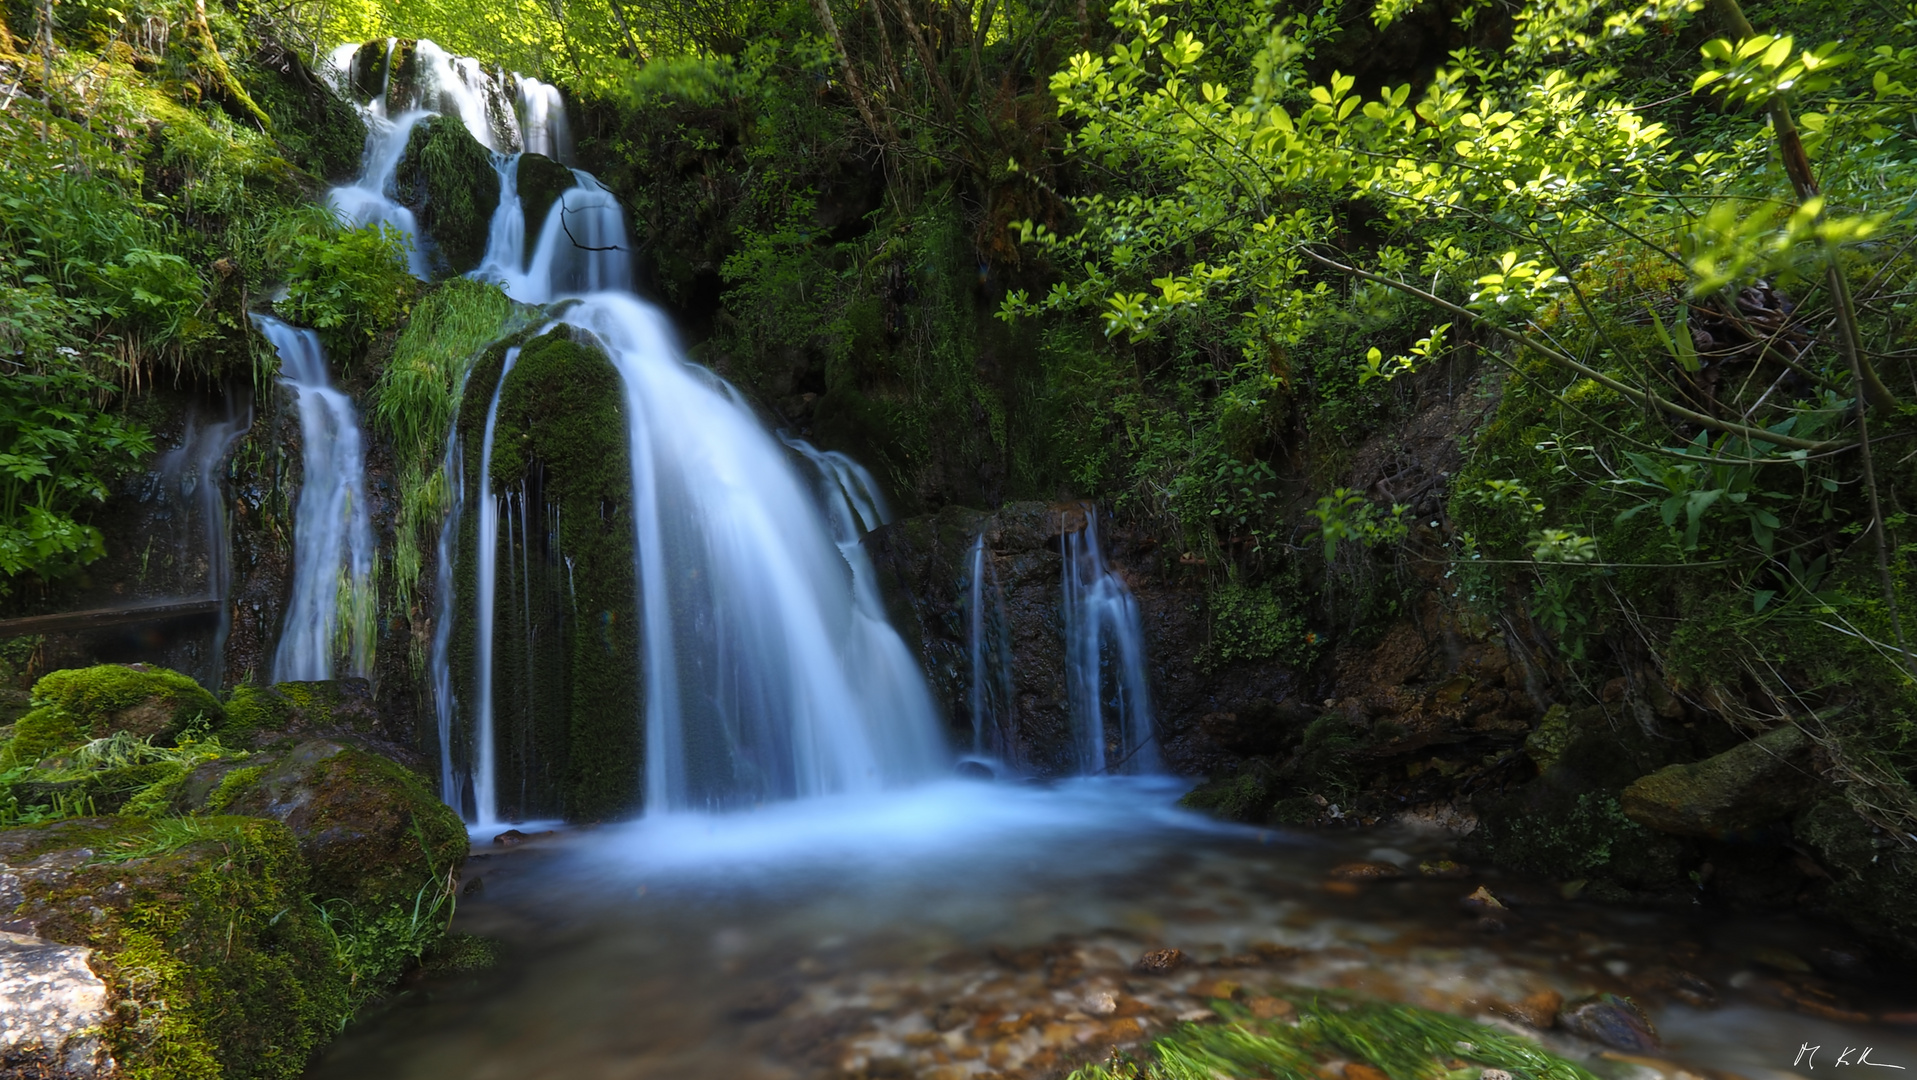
1807, 1056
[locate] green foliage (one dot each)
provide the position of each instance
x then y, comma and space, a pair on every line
414, 401
1253, 623
1405, 1042
348, 284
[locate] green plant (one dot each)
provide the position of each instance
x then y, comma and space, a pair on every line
349, 284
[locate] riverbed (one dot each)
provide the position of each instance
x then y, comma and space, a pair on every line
969, 929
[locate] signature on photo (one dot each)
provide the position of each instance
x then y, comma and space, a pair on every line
1807, 1056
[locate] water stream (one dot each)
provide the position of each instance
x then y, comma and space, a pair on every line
192, 489
968, 930
329, 619
1105, 662
989, 653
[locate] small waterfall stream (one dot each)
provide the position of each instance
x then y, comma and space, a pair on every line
191, 486
330, 615
988, 651
1105, 662
486, 767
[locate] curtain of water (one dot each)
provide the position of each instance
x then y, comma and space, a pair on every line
1105, 662
330, 615
989, 651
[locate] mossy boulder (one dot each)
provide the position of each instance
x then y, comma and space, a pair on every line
449, 180
1754, 784
540, 181
1872, 882
277, 716
320, 132
214, 964
570, 736
79, 704
370, 830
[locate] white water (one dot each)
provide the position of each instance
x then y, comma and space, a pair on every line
1105, 662
191, 487
329, 617
486, 768
770, 670
451, 784
583, 246
989, 694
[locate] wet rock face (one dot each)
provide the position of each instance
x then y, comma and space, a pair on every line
1754, 784
540, 181
51, 1007
1869, 878
448, 179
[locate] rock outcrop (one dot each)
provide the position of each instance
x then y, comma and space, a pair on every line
1757, 783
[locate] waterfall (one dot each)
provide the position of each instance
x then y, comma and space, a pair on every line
989, 694
582, 244
191, 485
369, 199
1105, 662
331, 610
454, 470
542, 120
770, 670
486, 573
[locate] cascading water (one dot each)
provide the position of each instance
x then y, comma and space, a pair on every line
330, 614
1105, 662
989, 694
770, 670
191, 489
486, 767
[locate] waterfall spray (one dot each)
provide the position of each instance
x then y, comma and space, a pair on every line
1105, 662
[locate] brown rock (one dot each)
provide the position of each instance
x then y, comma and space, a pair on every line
1482, 901
1160, 962
1365, 871
1270, 1008
1357, 1071
1539, 1010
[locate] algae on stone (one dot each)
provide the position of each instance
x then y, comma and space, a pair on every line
449, 180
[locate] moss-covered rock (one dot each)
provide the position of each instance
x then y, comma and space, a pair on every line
449, 180
540, 181
568, 697
370, 830
215, 965
275, 717
78, 704
1750, 785
1872, 882
320, 132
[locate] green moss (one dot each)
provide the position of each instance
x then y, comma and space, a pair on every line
251, 709
231, 785
148, 701
567, 708
448, 177
1245, 797
320, 132
460, 954
371, 831
1873, 881
217, 967
43, 731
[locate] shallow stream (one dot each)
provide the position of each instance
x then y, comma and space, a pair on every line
970, 929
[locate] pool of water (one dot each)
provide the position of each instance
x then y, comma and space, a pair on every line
977, 930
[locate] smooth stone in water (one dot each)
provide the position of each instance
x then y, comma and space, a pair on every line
1614, 1021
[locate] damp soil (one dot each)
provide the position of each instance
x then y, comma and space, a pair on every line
981, 930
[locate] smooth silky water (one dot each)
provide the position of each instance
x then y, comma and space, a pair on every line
963, 928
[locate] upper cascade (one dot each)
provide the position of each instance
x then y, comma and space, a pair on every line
770, 670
